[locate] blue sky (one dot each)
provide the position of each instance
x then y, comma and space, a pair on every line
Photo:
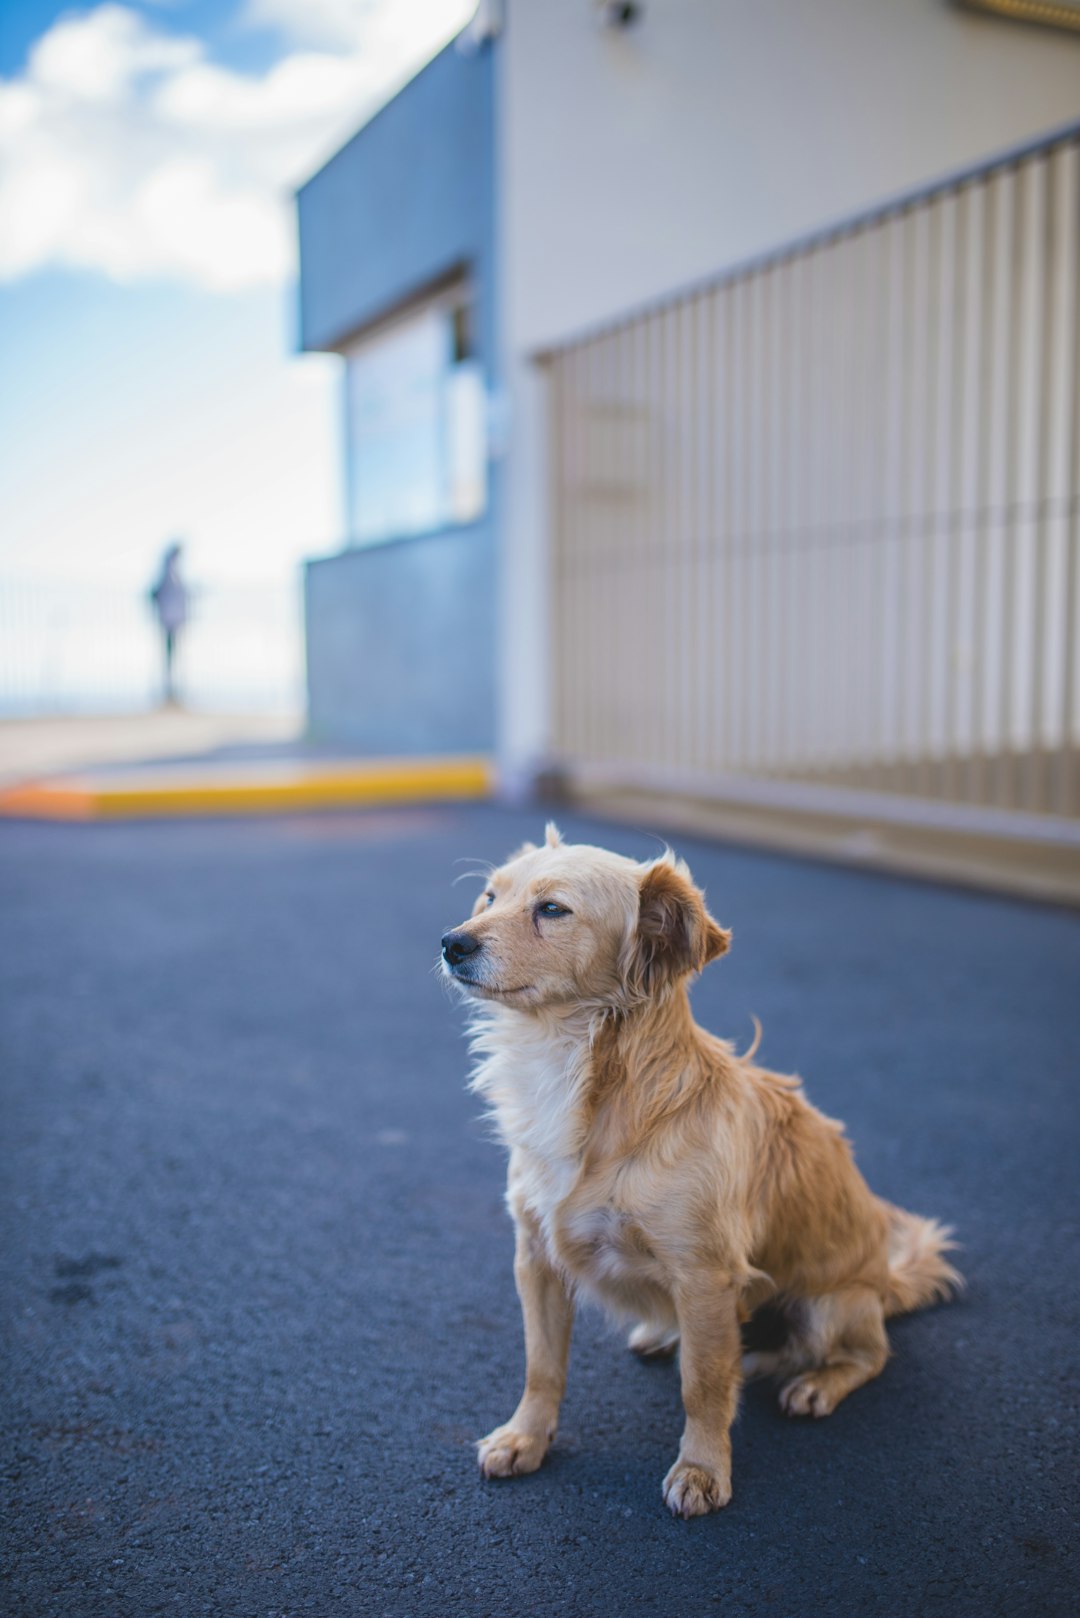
252, 49
147, 275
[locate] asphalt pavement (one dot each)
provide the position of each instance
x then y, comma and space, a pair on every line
256, 1271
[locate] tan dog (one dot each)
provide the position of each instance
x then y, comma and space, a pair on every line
653, 1169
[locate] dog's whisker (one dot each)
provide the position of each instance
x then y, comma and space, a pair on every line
482, 866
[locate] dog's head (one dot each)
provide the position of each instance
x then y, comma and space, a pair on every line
568, 924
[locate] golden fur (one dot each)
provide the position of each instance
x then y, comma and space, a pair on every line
653, 1169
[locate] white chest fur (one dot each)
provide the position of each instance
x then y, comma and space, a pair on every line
532, 1073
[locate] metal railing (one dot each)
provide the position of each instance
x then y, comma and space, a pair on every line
816, 522
77, 647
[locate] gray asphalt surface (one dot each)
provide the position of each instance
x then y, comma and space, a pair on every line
257, 1283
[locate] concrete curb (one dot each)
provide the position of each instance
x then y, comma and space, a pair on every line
267, 787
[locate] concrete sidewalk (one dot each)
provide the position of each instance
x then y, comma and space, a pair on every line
174, 763
32, 749
256, 1277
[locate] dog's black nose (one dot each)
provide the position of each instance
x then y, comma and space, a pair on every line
456, 946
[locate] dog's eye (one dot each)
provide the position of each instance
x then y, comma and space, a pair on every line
551, 909
490, 897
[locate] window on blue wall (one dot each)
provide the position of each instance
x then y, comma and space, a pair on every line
415, 419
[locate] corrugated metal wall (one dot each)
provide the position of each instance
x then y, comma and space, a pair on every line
818, 520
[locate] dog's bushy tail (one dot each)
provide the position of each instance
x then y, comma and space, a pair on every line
919, 1272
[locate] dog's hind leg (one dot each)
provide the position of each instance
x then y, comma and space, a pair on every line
849, 1326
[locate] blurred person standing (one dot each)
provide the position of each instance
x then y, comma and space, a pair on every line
171, 603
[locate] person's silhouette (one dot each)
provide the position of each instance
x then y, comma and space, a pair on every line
170, 598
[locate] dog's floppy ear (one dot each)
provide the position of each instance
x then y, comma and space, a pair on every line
675, 934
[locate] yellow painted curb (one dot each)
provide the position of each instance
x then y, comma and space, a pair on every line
264, 788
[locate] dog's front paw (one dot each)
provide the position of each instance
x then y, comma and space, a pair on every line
691, 1491
509, 1454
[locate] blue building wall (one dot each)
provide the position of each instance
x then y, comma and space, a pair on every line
401, 635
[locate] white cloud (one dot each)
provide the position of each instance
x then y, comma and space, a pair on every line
127, 149
99, 56
370, 26
330, 24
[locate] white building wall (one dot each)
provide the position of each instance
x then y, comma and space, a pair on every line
632, 162
635, 160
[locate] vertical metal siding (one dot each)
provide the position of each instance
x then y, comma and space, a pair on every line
818, 521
